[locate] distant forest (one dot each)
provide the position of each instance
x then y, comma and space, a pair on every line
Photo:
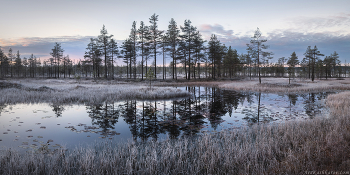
191, 57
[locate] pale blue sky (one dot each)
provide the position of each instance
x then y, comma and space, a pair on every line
32, 26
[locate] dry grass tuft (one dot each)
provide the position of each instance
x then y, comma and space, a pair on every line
340, 103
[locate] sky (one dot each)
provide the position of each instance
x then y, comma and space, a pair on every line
33, 26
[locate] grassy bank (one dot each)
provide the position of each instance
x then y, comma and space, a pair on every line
281, 85
71, 91
321, 144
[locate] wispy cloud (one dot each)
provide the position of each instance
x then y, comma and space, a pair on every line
224, 35
339, 23
41, 47
71, 40
216, 29
284, 42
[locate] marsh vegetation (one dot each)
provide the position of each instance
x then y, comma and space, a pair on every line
281, 141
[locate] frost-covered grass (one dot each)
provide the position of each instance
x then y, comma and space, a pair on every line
89, 91
321, 144
281, 85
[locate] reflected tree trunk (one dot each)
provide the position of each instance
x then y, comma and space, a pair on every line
259, 107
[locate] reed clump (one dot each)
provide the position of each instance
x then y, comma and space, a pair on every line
321, 144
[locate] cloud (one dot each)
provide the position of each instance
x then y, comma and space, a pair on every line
329, 34
42, 46
336, 23
223, 35
216, 29
30, 41
283, 42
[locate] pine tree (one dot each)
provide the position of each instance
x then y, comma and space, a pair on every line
256, 46
10, 60
328, 64
25, 64
32, 64
93, 56
173, 39
319, 68
127, 51
231, 61
37, 66
313, 56
133, 40
188, 36
18, 63
155, 38
292, 62
4, 63
335, 62
103, 44
181, 55
144, 36
70, 66
215, 53
113, 49
307, 59
65, 63
199, 49
249, 60
57, 54
147, 54
164, 48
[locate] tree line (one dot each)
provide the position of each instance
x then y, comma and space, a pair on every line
190, 56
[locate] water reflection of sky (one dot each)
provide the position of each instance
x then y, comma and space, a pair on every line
208, 110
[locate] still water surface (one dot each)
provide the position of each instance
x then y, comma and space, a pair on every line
52, 126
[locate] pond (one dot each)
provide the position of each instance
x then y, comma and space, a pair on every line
50, 126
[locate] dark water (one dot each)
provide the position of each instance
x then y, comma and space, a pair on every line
49, 126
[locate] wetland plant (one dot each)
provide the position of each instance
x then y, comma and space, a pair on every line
284, 148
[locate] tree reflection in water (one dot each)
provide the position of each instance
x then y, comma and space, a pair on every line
182, 117
311, 106
57, 109
2, 107
104, 115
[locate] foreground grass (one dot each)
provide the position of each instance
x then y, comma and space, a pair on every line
321, 144
88, 92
